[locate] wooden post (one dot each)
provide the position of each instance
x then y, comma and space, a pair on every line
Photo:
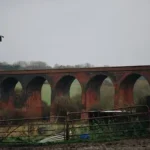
67, 126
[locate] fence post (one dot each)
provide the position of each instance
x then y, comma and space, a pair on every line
28, 130
67, 126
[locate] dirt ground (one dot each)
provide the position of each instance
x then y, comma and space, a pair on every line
142, 144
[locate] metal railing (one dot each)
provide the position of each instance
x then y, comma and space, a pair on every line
115, 124
130, 122
31, 131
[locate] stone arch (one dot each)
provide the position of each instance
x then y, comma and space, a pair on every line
9, 100
7, 87
136, 74
92, 96
34, 102
126, 87
63, 85
62, 93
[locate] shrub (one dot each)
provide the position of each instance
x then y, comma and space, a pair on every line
64, 104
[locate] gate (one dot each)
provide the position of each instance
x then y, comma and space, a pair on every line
108, 125
32, 131
116, 124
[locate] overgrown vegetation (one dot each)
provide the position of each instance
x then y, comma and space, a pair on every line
109, 132
65, 104
23, 65
127, 125
98, 131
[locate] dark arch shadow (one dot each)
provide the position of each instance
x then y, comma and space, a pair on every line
62, 100
129, 80
63, 85
93, 91
36, 82
7, 88
126, 97
10, 101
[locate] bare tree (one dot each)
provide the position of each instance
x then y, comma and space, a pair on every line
21, 63
87, 65
38, 65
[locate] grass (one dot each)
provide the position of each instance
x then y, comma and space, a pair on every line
109, 132
101, 132
141, 89
29, 132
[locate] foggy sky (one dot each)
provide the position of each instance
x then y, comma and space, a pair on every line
101, 32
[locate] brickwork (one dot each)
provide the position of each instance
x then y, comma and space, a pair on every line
90, 79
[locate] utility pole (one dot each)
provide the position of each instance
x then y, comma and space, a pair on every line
1, 38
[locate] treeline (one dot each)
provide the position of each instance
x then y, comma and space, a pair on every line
33, 65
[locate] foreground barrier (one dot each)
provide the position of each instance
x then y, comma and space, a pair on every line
116, 124
121, 123
33, 130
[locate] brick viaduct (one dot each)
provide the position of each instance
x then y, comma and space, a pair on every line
90, 79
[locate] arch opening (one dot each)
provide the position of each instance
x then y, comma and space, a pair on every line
132, 89
76, 95
18, 88
18, 95
11, 99
67, 95
38, 98
107, 93
96, 93
46, 93
141, 91
7, 87
10, 89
